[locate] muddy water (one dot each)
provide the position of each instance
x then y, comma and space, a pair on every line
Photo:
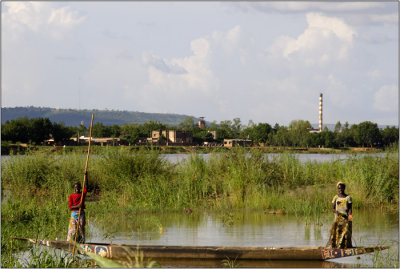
247, 229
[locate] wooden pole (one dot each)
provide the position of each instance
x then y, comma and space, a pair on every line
83, 186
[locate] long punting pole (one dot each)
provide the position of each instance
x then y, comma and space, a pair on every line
83, 186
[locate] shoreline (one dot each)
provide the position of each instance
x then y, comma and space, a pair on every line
23, 149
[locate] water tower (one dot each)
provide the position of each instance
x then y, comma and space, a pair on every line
202, 123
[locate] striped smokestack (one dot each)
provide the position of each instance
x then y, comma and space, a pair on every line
320, 113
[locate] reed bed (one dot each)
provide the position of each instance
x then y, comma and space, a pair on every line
143, 180
124, 182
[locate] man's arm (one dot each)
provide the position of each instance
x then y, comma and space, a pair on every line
350, 212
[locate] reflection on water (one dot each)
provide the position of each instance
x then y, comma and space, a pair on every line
245, 228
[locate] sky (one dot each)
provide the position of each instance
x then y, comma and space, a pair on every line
261, 61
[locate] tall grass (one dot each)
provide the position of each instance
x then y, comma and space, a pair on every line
238, 179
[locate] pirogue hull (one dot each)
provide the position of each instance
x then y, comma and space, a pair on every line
121, 252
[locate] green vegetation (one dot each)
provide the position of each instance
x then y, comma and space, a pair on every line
387, 259
124, 182
299, 133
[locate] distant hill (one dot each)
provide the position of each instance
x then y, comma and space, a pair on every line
73, 117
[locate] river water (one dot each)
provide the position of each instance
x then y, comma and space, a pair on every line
309, 157
249, 228
178, 157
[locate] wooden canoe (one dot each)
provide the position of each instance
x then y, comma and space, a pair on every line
121, 252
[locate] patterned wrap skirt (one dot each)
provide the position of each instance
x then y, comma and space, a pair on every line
73, 224
341, 231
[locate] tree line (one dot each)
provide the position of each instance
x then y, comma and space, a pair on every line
299, 133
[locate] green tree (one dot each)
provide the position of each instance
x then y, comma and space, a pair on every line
115, 130
225, 130
315, 140
328, 138
345, 138
338, 127
130, 133
82, 131
15, 130
251, 124
367, 133
187, 125
245, 133
147, 127
25, 130
100, 130
299, 132
199, 135
62, 133
275, 128
390, 135
281, 138
236, 127
260, 132
40, 129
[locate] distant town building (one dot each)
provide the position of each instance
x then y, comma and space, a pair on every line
214, 134
171, 137
229, 143
202, 123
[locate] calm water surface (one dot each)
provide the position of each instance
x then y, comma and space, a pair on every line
178, 157
247, 229
312, 157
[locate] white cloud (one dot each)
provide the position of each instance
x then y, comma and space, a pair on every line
194, 70
38, 17
21, 15
65, 17
162, 64
200, 83
330, 24
326, 7
326, 39
198, 75
358, 13
200, 47
385, 99
228, 40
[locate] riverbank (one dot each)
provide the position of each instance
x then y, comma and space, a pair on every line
124, 183
13, 149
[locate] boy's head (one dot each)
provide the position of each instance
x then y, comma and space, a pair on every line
77, 187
